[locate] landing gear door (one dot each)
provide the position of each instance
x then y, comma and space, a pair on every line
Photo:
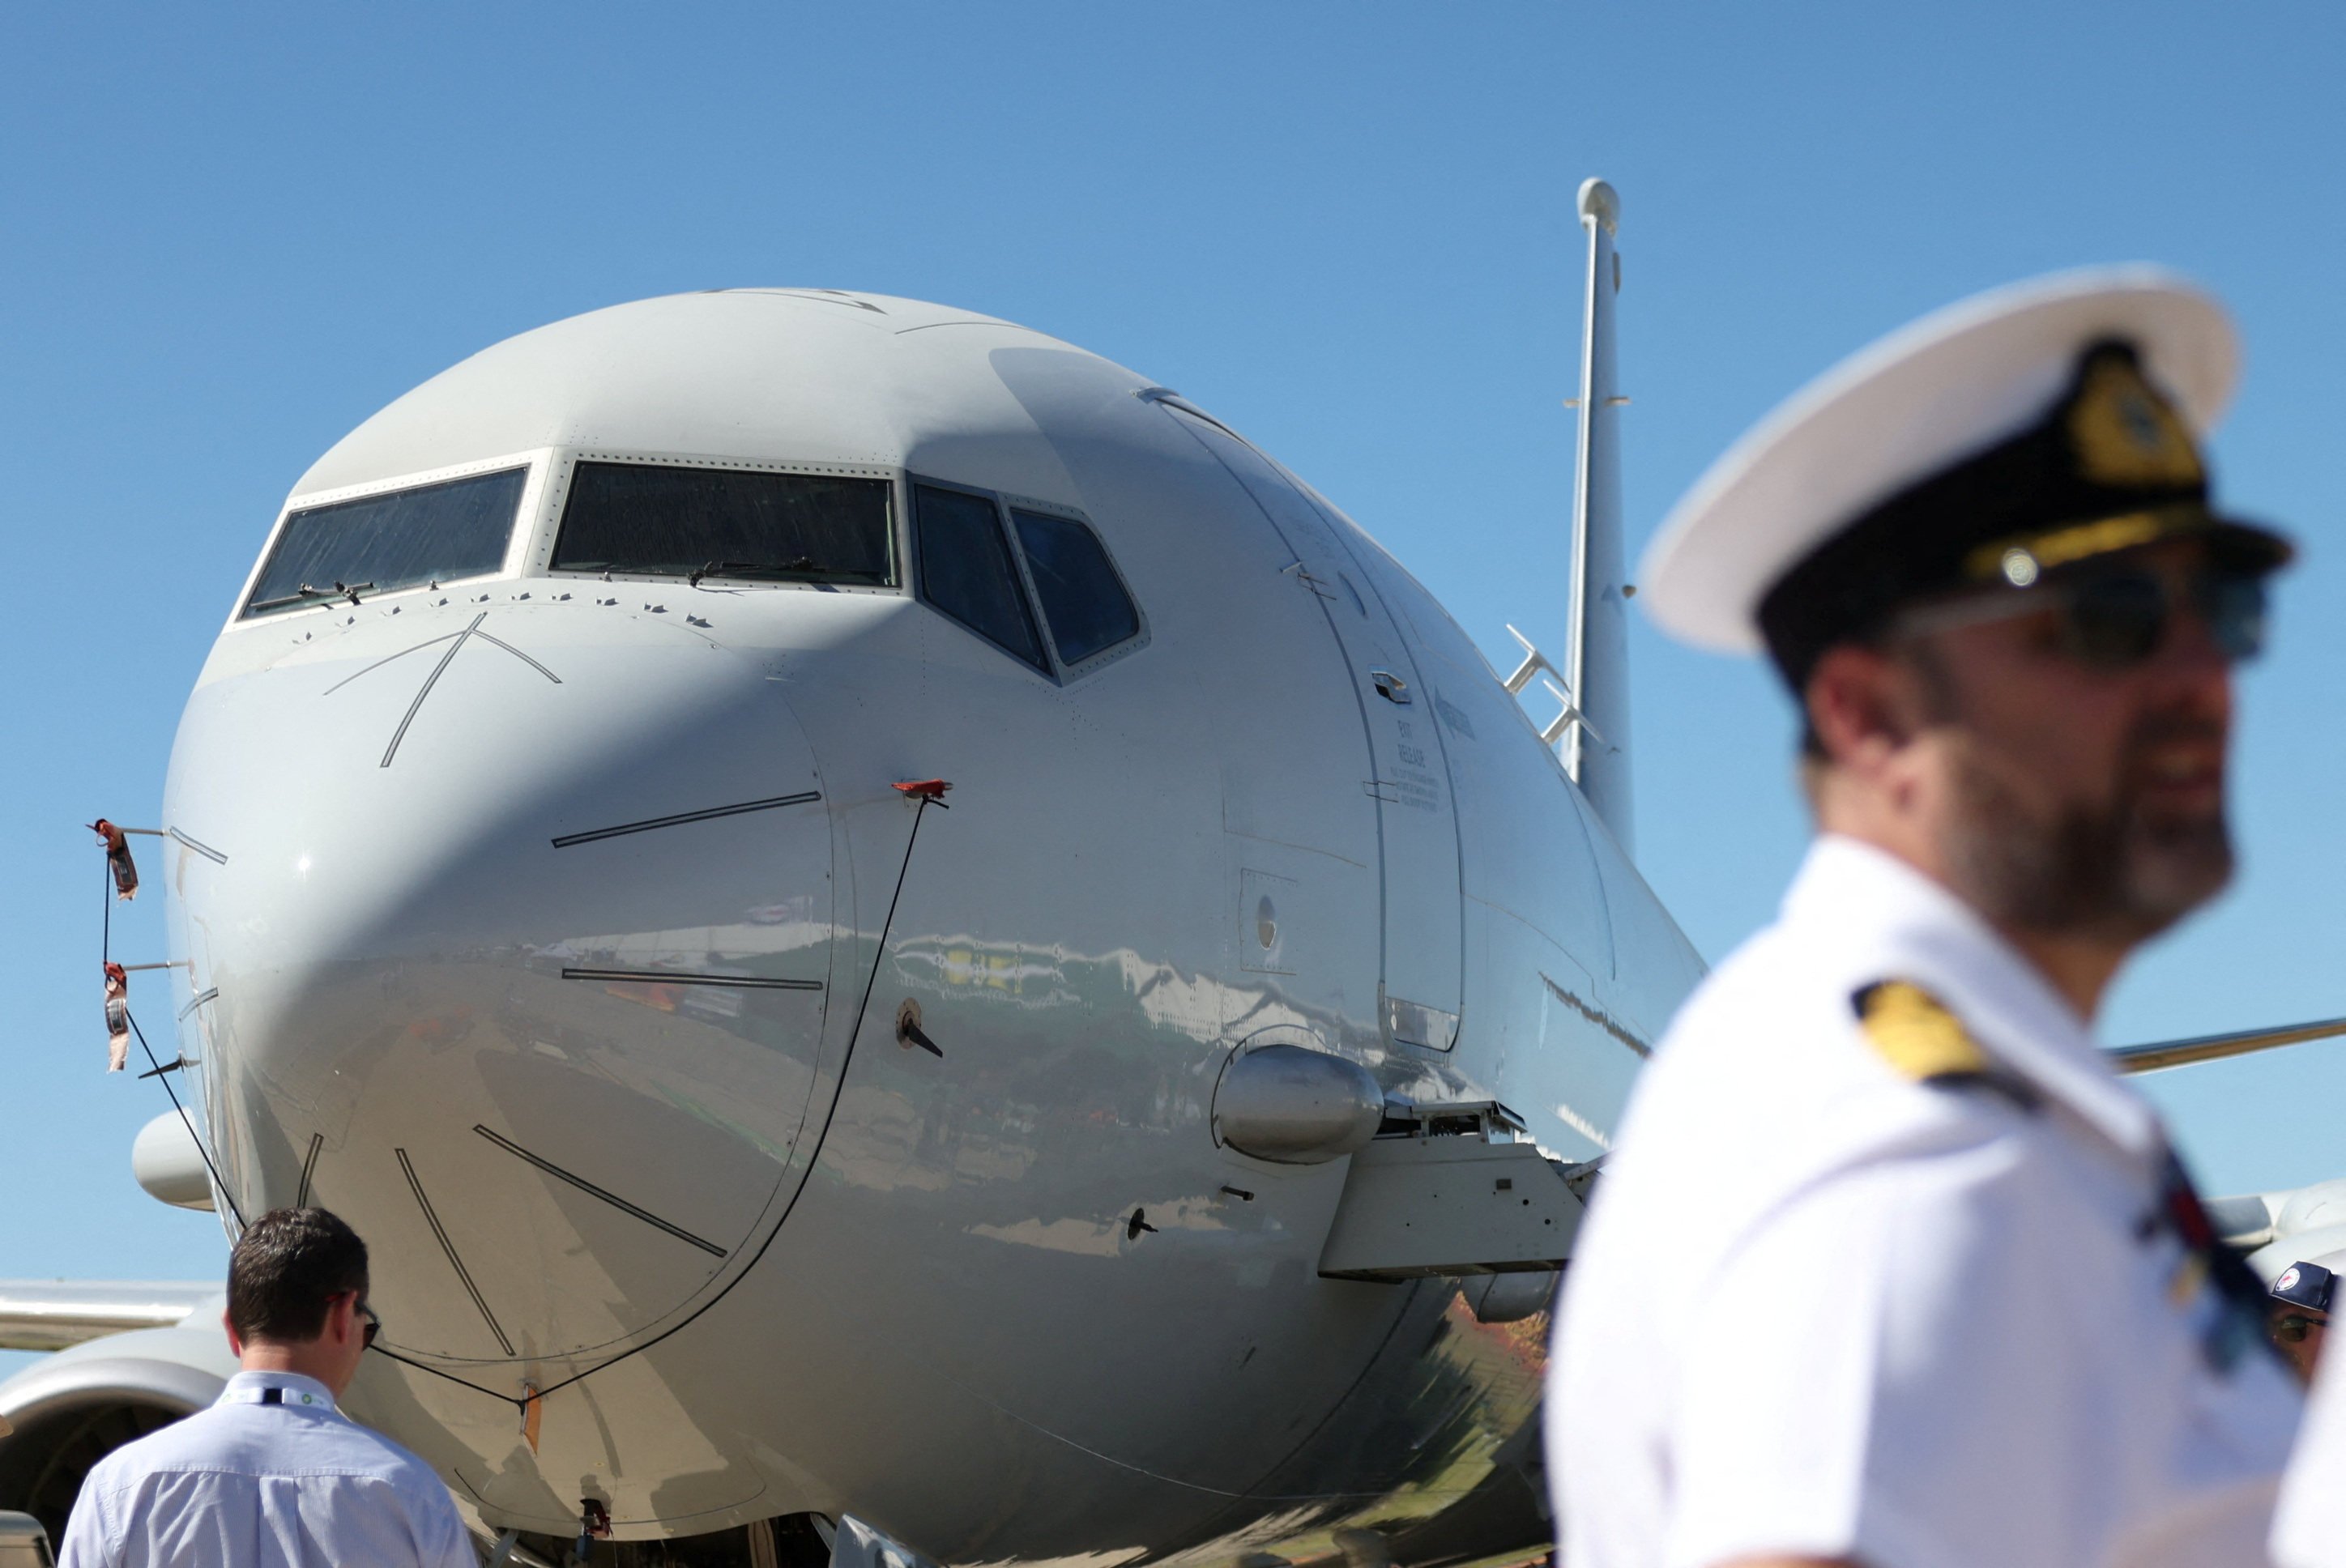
1418, 836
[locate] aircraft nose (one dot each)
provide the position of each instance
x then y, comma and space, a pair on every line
519, 921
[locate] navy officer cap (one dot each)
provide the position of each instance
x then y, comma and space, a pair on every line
2012, 435
2307, 1286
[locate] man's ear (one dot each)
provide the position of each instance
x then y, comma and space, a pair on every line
1862, 705
235, 1340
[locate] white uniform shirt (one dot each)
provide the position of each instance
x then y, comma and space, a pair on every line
2311, 1530
260, 1484
1819, 1307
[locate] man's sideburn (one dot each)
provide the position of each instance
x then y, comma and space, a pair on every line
2115, 872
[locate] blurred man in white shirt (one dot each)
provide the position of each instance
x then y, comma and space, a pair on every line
1888, 1268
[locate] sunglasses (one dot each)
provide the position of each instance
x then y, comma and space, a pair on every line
374, 1324
2117, 617
2292, 1329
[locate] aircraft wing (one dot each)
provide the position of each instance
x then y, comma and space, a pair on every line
51, 1314
2163, 1054
2274, 1228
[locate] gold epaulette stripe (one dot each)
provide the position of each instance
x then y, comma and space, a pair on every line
1916, 1035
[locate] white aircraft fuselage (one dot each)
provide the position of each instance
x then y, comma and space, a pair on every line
530, 917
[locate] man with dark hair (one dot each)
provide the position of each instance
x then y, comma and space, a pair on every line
275, 1473
1888, 1266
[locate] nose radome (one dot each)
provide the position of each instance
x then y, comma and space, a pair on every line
522, 944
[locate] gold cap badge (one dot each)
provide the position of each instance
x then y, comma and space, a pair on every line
2125, 432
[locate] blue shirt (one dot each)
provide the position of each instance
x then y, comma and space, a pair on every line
272, 1476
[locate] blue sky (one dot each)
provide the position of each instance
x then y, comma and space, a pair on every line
229, 234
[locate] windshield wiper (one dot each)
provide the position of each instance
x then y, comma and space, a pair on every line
648, 568
300, 596
798, 566
305, 594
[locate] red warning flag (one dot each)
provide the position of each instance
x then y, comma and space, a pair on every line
117, 855
117, 1018
925, 788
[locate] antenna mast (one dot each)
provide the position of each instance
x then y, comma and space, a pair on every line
1596, 674
1592, 729
1600, 215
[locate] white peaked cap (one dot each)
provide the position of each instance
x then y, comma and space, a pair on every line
1927, 396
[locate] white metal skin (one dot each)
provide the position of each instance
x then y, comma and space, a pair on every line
852, 1277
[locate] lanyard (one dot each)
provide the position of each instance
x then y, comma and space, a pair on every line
280, 1394
2231, 1304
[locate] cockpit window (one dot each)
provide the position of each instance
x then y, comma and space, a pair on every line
1083, 600
966, 571
666, 520
433, 532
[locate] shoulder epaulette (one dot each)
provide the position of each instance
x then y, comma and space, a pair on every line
1914, 1032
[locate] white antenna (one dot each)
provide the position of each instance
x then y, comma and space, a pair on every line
1600, 215
1597, 645
1595, 677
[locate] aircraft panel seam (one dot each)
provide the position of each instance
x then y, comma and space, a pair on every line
206, 851
591, 1190
448, 1247
682, 977
309, 1167
680, 818
429, 682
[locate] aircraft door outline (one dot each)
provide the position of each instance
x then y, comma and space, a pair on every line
1421, 960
